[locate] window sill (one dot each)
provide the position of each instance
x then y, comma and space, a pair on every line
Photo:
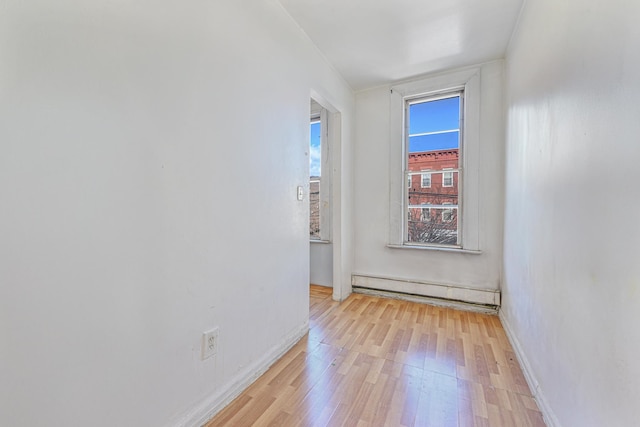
437, 248
324, 242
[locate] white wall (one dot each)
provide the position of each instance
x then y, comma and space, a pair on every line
571, 293
150, 157
371, 202
321, 264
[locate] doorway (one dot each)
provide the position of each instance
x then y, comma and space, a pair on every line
320, 200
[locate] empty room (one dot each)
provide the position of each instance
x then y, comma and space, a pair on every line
319, 213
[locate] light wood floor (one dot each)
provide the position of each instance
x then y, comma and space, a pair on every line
380, 362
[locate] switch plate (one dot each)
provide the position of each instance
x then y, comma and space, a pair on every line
300, 193
209, 343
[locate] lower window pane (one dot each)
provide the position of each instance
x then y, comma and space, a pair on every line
432, 225
314, 206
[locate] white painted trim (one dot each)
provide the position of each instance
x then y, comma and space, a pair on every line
547, 413
209, 407
341, 288
326, 186
433, 290
433, 133
324, 242
342, 237
441, 248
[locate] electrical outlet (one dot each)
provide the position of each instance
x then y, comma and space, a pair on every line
209, 343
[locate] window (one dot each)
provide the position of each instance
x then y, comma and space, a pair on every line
432, 140
447, 214
426, 180
447, 179
434, 127
426, 215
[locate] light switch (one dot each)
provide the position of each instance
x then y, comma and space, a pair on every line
300, 193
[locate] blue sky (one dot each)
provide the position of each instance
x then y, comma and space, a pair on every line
315, 153
434, 116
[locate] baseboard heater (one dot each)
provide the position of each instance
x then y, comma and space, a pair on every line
479, 300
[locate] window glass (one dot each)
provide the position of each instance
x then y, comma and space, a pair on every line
433, 143
315, 171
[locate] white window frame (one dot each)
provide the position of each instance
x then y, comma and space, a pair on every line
448, 172
467, 80
422, 176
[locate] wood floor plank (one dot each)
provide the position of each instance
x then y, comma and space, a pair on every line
372, 361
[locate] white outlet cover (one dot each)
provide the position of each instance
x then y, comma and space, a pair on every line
209, 343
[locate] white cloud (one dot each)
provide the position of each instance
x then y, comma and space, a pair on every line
315, 156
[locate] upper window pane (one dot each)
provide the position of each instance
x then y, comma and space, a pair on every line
434, 116
434, 124
315, 150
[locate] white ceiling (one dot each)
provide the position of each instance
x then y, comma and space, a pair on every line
372, 42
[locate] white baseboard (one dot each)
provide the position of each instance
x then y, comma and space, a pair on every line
208, 408
547, 413
477, 308
431, 290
